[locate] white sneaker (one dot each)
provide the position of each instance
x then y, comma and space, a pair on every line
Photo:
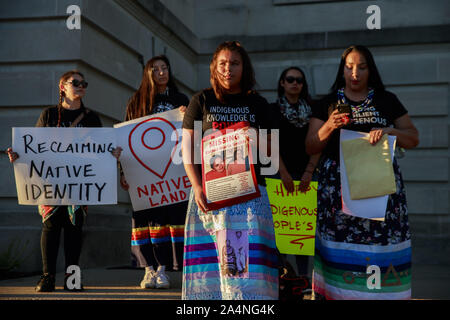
162, 280
149, 280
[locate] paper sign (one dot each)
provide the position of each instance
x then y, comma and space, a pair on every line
294, 217
228, 175
65, 166
370, 208
369, 168
151, 160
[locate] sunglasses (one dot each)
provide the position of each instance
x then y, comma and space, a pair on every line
78, 83
292, 79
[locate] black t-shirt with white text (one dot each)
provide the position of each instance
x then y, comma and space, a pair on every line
167, 101
384, 109
213, 114
164, 102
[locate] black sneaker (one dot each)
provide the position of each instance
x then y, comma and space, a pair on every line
46, 283
74, 289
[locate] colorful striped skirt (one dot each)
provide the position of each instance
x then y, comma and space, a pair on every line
360, 258
157, 237
230, 254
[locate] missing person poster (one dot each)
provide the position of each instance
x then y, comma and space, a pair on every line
228, 174
65, 166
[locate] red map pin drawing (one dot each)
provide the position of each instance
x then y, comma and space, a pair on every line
153, 135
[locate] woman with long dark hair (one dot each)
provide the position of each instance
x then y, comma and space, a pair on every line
157, 233
345, 244
70, 112
209, 231
294, 108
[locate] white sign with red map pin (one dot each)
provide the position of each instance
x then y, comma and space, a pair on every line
150, 144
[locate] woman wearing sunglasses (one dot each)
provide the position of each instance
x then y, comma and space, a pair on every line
70, 112
293, 108
157, 233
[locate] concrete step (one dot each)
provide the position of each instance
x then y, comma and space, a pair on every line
99, 284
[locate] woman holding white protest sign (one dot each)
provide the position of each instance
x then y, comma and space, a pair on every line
346, 244
157, 233
70, 112
210, 234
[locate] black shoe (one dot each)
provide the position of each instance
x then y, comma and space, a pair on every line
74, 289
46, 283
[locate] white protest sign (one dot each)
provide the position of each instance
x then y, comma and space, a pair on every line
151, 160
65, 166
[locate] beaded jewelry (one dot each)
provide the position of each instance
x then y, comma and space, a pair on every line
364, 106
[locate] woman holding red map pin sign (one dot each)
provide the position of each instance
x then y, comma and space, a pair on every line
157, 233
212, 236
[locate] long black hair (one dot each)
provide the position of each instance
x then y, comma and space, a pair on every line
374, 82
141, 102
304, 94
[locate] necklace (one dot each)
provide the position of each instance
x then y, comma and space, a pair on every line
364, 106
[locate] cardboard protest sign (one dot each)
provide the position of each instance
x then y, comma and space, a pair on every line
294, 217
228, 174
151, 160
65, 166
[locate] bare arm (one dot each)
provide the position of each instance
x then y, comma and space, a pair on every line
307, 175
319, 131
405, 131
192, 170
285, 176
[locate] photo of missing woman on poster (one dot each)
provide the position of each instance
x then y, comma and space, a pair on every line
233, 249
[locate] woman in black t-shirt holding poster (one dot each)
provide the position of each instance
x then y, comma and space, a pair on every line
70, 112
208, 232
345, 244
157, 233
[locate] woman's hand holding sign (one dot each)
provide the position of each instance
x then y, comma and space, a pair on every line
13, 156
116, 152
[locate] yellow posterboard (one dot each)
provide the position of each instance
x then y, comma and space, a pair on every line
294, 217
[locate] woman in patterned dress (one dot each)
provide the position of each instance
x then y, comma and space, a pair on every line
345, 244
